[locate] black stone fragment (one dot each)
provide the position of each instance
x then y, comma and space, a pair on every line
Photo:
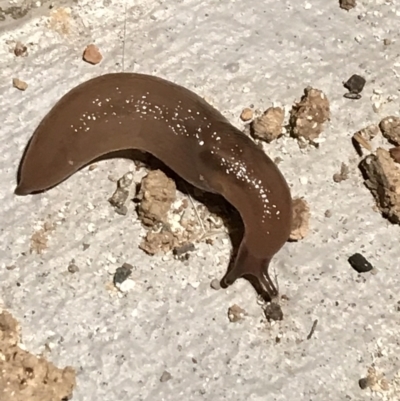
363, 383
355, 84
273, 311
122, 273
359, 263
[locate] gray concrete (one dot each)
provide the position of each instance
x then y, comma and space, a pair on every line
235, 53
14, 13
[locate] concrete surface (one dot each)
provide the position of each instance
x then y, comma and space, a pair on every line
13, 13
235, 53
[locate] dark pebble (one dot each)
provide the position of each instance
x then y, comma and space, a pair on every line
122, 273
363, 383
73, 268
273, 311
359, 263
185, 248
355, 84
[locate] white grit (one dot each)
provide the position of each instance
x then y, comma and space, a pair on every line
234, 53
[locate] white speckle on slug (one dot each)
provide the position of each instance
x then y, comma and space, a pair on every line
188, 123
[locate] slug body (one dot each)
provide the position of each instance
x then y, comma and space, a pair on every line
121, 111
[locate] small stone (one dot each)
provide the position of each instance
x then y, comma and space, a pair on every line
92, 54
246, 114
364, 383
382, 178
387, 42
126, 180
371, 380
377, 106
21, 85
121, 194
359, 263
181, 250
122, 273
268, 126
355, 84
390, 128
215, 284
156, 242
119, 197
235, 313
301, 219
156, 195
395, 154
273, 311
73, 268
20, 50
165, 376
308, 116
347, 4
343, 175
328, 213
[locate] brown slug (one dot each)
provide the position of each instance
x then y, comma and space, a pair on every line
121, 111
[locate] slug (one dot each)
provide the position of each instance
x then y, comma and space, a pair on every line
122, 111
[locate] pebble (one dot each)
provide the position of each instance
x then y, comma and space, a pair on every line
235, 313
73, 268
215, 284
355, 85
165, 376
122, 273
92, 54
359, 263
273, 311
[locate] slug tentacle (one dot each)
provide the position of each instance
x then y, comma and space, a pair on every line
254, 269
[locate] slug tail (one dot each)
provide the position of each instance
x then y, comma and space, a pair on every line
253, 269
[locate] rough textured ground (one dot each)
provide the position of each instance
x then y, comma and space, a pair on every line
235, 54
